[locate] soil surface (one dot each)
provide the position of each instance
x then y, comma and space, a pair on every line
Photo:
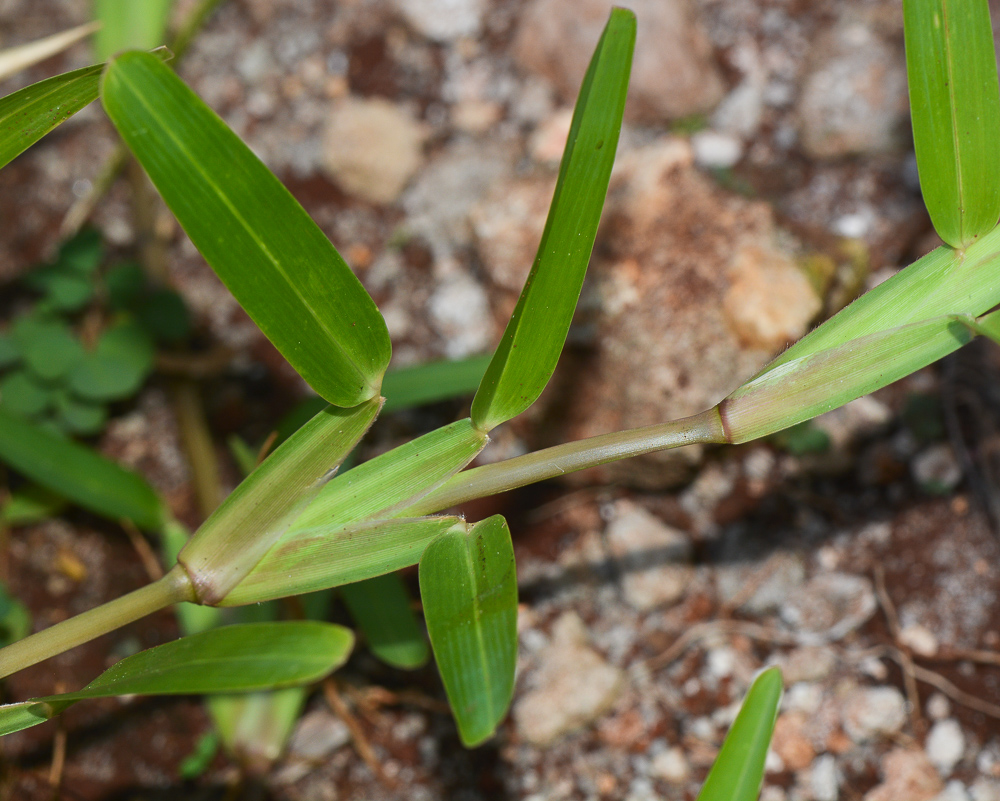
765, 177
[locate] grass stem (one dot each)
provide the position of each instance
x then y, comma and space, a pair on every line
520, 471
172, 588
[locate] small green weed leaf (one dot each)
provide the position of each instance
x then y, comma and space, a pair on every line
259, 511
534, 338
82, 253
129, 24
381, 607
117, 367
468, 585
78, 473
385, 485
31, 503
407, 387
802, 439
125, 284
10, 353
79, 417
15, 621
30, 113
47, 345
200, 759
165, 316
275, 260
22, 394
739, 769
231, 659
322, 557
955, 110
66, 288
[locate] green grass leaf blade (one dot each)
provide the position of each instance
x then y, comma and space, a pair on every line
323, 557
232, 659
534, 338
407, 387
275, 260
30, 113
381, 608
739, 769
383, 486
15, 59
259, 511
468, 585
240, 658
128, 24
78, 473
955, 111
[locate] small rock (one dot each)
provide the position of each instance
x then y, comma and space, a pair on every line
871, 712
443, 20
861, 417
460, 312
317, 735
647, 551
809, 663
572, 686
716, 151
919, 639
769, 583
475, 116
953, 791
936, 469
985, 790
670, 766
372, 148
945, 745
824, 779
556, 39
829, 606
854, 100
790, 741
907, 775
938, 706
770, 301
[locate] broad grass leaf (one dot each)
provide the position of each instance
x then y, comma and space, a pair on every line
955, 111
382, 610
529, 350
78, 473
739, 769
275, 260
468, 586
